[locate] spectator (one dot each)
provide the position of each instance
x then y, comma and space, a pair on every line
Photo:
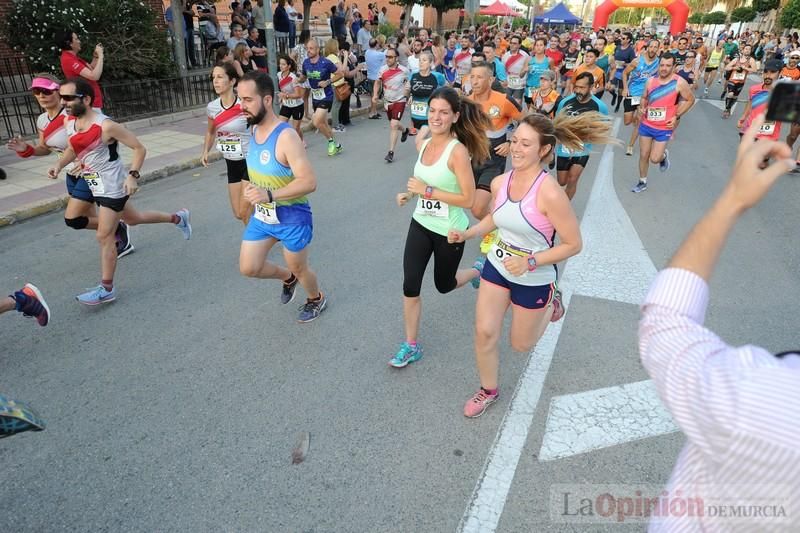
260, 22
74, 67
382, 16
281, 20
338, 25
247, 12
223, 55
237, 36
294, 16
333, 54
375, 59
355, 25
300, 54
259, 51
737, 406
242, 59
188, 37
351, 61
237, 17
364, 36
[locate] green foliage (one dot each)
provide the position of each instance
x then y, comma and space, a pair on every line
627, 16
790, 14
715, 17
388, 29
763, 6
743, 14
520, 22
134, 46
696, 18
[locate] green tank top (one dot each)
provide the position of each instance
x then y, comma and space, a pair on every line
436, 215
714, 58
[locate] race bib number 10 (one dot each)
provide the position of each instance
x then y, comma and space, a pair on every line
767, 128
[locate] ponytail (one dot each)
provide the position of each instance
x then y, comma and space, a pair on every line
572, 131
472, 124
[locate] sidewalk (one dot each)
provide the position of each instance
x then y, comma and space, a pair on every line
173, 145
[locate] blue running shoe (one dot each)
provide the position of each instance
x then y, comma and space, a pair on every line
98, 295
640, 187
664, 165
311, 310
184, 224
478, 265
406, 354
16, 417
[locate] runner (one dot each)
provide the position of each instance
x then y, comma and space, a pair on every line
688, 71
290, 94
681, 52
712, 66
569, 161
521, 272
634, 79
28, 301
538, 63
462, 62
80, 212
554, 53
570, 62
422, 86
516, 62
757, 103
738, 68
319, 72
589, 65
545, 99
94, 142
228, 130
624, 55
660, 111
281, 177
393, 79
444, 184
501, 111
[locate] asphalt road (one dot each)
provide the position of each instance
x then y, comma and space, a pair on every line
177, 406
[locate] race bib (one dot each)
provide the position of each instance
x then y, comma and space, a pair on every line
636, 100
620, 64
515, 82
656, 114
739, 76
318, 94
419, 109
267, 213
569, 65
433, 208
95, 183
230, 146
503, 249
292, 102
767, 128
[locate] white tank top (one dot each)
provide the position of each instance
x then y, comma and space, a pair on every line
101, 165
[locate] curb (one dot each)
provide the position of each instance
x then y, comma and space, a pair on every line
50, 205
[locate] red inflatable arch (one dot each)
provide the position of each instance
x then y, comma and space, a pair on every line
678, 10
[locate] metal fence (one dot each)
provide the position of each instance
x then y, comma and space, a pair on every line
123, 101
15, 75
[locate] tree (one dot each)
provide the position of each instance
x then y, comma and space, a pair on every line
696, 18
743, 14
441, 6
717, 17
790, 14
764, 6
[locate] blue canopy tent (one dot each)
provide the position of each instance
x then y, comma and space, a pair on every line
560, 14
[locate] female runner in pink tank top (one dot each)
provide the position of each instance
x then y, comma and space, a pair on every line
529, 209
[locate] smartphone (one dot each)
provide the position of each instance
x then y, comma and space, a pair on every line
784, 103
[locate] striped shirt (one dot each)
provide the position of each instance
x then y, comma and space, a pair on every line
739, 408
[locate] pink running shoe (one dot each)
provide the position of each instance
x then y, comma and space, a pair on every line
476, 405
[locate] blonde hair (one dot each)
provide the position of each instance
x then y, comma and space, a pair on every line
331, 47
239, 51
572, 131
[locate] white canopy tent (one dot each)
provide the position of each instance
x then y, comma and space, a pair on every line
519, 7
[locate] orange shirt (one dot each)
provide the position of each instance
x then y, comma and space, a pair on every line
597, 72
501, 111
790, 73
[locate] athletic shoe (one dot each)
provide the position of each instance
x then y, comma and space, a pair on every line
389, 157
640, 187
487, 242
726, 114
124, 244
705, 91
339, 129
288, 291
412, 131
311, 310
375, 116
405, 355
185, 223
476, 405
98, 295
629, 151
404, 136
30, 302
558, 307
16, 417
796, 170
663, 166
334, 148
478, 265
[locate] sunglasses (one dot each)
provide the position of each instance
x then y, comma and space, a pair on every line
38, 91
70, 97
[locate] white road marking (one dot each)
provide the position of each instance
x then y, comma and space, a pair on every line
489, 496
580, 423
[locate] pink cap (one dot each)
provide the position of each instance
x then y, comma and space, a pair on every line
44, 83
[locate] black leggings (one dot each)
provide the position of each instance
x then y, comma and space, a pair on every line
420, 244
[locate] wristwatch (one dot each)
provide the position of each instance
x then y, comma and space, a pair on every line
428, 192
531, 263
134, 173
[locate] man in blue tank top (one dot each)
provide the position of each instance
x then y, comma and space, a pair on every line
634, 79
280, 178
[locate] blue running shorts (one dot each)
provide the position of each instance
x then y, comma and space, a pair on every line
295, 237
